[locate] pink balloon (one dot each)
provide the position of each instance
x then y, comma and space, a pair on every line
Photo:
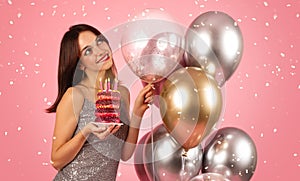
154, 59
152, 45
138, 159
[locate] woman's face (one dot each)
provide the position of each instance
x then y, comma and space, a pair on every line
95, 52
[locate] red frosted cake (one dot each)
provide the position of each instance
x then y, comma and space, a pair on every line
108, 106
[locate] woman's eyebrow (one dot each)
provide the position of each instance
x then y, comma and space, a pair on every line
84, 48
87, 46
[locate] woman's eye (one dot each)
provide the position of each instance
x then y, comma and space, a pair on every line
99, 41
88, 51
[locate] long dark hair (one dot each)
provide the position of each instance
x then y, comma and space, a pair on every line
69, 73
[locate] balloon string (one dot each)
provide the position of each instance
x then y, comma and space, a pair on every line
183, 160
152, 140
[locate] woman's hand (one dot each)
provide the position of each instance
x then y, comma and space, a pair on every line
143, 99
101, 131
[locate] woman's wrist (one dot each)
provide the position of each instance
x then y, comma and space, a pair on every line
135, 121
86, 131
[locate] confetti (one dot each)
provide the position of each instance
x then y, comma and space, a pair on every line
119, 174
267, 24
261, 96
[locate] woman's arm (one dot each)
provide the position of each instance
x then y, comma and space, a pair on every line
64, 146
141, 104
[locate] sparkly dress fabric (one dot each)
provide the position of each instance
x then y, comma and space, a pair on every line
98, 159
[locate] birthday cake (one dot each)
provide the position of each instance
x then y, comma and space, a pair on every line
108, 106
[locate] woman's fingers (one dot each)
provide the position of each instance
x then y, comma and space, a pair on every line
148, 98
149, 94
115, 129
104, 131
102, 135
146, 89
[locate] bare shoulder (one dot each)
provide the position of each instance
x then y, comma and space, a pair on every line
72, 98
74, 93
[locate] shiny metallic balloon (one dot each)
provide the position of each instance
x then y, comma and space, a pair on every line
190, 105
152, 45
138, 159
209, 177
169, 161
232, 153
214, 42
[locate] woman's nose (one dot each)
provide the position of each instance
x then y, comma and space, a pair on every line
98, 50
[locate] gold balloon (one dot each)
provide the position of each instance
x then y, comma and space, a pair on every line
190, 105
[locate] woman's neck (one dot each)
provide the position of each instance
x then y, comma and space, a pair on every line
93, 80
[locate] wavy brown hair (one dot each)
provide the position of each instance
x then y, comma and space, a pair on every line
69, 73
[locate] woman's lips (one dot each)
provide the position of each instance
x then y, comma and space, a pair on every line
103, 58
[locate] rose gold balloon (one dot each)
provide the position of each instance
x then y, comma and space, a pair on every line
190, 105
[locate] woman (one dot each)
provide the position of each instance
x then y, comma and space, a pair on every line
82, 150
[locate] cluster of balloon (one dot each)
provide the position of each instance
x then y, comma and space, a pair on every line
189, 72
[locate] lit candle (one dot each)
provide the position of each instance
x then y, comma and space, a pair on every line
116, 84
100, 82
108, 84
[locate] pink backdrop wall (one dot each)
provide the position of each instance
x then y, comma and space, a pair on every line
262, 96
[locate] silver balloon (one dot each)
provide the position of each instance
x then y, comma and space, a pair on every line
210, 177
214, 42
169, 161
230, 152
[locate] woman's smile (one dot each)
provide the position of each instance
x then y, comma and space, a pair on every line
103, 57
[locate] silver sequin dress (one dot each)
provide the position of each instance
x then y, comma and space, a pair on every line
98, 159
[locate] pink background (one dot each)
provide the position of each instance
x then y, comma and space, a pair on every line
262, 96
